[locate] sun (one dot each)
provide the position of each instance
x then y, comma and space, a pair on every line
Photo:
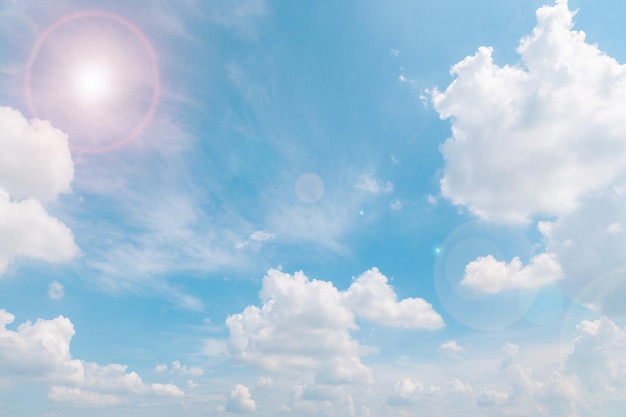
93, 82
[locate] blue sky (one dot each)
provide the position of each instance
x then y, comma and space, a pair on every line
349, 208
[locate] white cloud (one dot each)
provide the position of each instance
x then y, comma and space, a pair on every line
167, 390
534, 138
35, 159
161, 368
180, 369
264, 382
451, 346
301, 325
28, 231
373, 186
256, 239
216, 348
35, 166
111, 377
489, 276
55, 290
305, 325
240, 400
491, 396
406, 391
457, 386
81, 398
371, 297
395, 205
39, 350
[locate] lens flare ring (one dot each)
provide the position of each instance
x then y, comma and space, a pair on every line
156, 77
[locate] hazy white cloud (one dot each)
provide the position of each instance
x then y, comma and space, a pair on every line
534, 138
181, 369
373, 186
489, 276
240, 400
82, 398
55, 290
241, 16
256, 239
371, 297
406, 391
167, 390
264, 382
111, 377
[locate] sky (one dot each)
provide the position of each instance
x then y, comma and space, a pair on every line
279, 208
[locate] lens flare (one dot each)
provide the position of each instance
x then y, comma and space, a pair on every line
94, 75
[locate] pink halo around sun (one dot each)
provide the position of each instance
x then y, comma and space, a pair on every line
156, 86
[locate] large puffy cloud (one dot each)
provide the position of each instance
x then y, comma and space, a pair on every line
534, 138
39, 350
489, 276
35, 166
306, 324
371, 297
302, 324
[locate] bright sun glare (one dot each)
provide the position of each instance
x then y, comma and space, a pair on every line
93, 82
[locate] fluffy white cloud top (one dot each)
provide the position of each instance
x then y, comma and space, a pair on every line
370, 296
240, 400
302, 325
489, 276
534, 138
306, 324
35, 166
35, 159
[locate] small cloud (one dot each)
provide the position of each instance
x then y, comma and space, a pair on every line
614, 228
55, 290
215, 348
395, 205
432, 200
264, 382
240, 400
373, 186
394, 52
161, 368
167, 390
191, 384
451, 346
256, 239
394, 159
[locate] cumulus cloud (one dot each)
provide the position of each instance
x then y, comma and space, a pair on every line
39, 350
35, 166
305, 324
240, 400
55, 290
489, 276
82, 398
371, 297
536, 137
302, 324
